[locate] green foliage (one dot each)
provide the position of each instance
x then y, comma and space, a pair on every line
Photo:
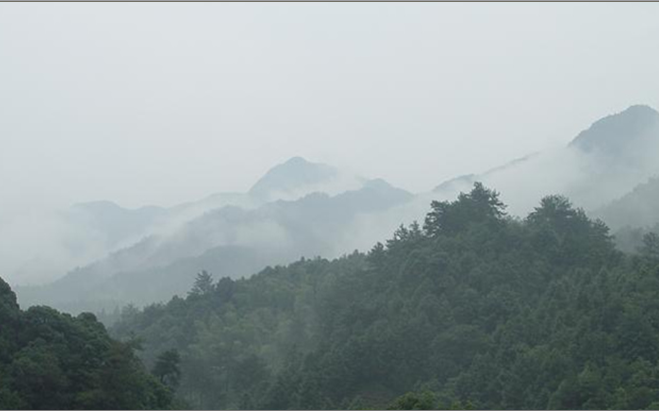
203, 284
167, 368
50, 360
479, 206
650, 246
426, 400
474, 311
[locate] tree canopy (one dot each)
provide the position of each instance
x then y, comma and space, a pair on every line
50, 360
474, 310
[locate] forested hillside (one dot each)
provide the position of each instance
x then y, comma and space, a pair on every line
473, 308
55, 361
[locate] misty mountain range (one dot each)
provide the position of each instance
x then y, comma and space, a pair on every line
300, 208
234, 235
603, 163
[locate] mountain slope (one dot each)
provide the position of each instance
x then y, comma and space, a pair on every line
87, 232
622, 136
229, 241
638, 208
292, 178
476, 310
601, 164
116, 223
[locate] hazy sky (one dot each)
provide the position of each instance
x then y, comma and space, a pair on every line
163, 103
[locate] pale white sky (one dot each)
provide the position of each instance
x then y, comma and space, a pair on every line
161, 103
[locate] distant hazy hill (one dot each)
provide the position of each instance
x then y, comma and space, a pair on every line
89, 231
621, 137
297, 177
290, 180
229, 241
116, 223
638, 208
602, 163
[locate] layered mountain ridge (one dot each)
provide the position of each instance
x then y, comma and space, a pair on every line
230, 240
299, 208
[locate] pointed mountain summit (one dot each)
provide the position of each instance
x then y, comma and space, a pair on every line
290, 177
602, 163
379, 184
619, 134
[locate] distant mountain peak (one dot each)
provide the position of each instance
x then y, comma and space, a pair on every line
641, 108
618, 133
377, 183
292, 175
297, 160
383, 186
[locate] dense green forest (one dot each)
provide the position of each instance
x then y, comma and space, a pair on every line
471, 309
54, 361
